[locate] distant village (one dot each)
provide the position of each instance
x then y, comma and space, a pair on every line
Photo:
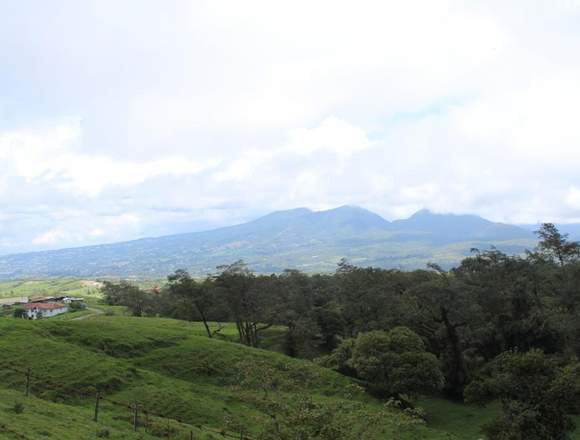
37, 307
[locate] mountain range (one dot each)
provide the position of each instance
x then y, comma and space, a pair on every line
311, 241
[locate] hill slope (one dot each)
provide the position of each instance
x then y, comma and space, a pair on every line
179, 380
299, 239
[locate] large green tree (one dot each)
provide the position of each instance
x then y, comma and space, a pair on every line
537, 392
395, 363
249, 299
555, 246
195, 298
444, 312
127, 294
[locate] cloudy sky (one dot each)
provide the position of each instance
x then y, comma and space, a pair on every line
128, 118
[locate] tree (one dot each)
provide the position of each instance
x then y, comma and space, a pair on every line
196, 298
129, 295
512, 314
370, 297
536, 391
441, 310
340, 358
395, 363
555, 247
248, 299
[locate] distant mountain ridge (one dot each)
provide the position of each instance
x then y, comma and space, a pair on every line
312, 241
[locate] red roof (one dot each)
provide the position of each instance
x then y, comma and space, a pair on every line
44, 306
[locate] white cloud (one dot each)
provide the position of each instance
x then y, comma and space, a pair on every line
205, 113
87, 228
50, 157
332, 135
573, 197
52, 237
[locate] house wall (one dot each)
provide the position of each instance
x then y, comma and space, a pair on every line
33, 314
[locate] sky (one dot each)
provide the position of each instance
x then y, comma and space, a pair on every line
122, 119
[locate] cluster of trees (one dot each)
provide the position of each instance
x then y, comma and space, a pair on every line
496, 327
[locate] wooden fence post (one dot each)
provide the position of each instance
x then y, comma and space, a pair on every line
28, 374
135, 419
96, 418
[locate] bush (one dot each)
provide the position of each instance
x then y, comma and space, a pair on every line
103, 433
395, 363
19, 312
160, 428
76, 306
18, 408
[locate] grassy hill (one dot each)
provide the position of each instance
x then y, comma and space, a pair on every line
85, 288
184, 381
49, 287
44, 419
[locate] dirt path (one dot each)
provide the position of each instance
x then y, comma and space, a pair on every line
95, 313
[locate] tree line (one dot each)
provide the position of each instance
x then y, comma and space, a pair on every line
496, 327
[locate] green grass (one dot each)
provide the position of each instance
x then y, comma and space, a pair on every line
61, 286
463, 420
44, 419
171, 369
49, 287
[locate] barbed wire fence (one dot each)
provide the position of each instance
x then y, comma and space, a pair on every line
140, 415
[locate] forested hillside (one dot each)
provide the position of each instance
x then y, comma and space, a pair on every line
297, 239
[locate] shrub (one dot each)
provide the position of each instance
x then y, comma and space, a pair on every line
103, 433
18, 408
395, 363
160, 428
19, 312
76, 306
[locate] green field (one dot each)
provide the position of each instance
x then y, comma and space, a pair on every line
65, 286
465, 421
43, 419
169, 370
60, 286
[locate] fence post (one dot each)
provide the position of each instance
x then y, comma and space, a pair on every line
96, 418
28, 374
190, 435
135, 419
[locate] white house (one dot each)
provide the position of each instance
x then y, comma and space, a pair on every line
44, 310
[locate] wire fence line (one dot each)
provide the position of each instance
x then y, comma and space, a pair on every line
137, 410
5, 429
